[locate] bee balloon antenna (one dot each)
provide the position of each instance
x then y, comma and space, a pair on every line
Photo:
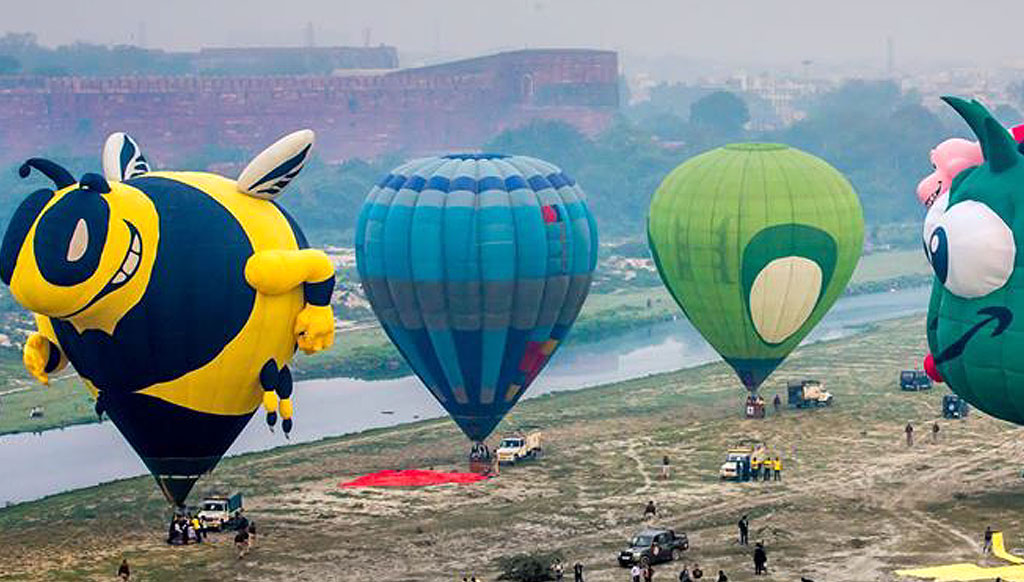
52, 170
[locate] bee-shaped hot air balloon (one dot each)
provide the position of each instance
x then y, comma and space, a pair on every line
178, 297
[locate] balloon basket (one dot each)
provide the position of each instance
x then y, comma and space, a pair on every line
754, 407
480, 466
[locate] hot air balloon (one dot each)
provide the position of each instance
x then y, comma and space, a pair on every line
755, 242
970, 236
476, 265
178, 297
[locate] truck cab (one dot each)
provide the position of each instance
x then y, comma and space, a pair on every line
736, 465
654, 546
739, 459
517, 447
954, 407
217, 513
915, 380
808, 393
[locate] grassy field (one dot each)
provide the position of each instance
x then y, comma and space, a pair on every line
889, 265
855, 503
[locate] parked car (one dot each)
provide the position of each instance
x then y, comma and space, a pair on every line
915, 380
654, 546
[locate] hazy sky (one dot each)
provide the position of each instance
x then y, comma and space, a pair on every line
976, 32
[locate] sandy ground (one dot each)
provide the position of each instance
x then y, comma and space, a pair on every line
855, 502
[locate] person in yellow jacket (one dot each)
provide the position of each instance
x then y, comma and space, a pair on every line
778, 468
198, 527
755, 468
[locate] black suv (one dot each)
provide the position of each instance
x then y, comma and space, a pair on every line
654, 546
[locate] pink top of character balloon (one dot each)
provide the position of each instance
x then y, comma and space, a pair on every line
949, 158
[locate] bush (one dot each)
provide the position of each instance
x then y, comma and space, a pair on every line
535, 567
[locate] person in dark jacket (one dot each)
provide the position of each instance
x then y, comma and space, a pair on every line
760, 559
650, 511
577, 572
124, 572
744, 526
721, 575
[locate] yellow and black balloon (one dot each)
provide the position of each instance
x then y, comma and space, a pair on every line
178, 297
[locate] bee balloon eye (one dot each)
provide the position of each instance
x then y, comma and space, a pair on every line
971, 249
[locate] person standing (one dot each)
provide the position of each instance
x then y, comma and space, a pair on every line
721, 574
766, 469
935, 432
665, 467
755, 468
910, 434
198, 526
242, 542
648, 572
577, 572
778, 468
777, 403
684, 576
558, 569
760, 559
634, 573
744, 527
650, 512
987, 548
697, 572
124, 572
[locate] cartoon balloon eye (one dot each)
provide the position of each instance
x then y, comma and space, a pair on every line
79, 241
931, 220
971, 250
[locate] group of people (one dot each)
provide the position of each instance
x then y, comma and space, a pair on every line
909, 431
559, 571
694, 574
185, 529
765, 468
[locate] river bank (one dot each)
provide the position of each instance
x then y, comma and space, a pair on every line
85, 455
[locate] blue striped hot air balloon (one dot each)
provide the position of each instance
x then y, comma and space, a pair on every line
476, 265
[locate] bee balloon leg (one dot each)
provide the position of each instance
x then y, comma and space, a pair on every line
275, 272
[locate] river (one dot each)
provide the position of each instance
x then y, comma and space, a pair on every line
37, 465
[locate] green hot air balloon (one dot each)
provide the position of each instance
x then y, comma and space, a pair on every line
755, 242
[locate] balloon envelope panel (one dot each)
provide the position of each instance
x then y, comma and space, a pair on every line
755, 242
476, 266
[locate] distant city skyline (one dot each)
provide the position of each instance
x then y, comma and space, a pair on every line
738, 32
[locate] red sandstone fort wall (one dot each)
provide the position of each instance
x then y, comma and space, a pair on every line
457, 105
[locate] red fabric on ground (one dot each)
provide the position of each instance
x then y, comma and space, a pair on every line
411, 478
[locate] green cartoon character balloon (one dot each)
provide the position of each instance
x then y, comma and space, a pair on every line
755, 242
970, 240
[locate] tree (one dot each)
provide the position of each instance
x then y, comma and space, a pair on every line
555, 141
722, 111
9, 65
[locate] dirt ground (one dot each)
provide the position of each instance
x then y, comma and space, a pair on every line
855, 502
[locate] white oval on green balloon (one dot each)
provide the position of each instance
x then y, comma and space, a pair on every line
783, 296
